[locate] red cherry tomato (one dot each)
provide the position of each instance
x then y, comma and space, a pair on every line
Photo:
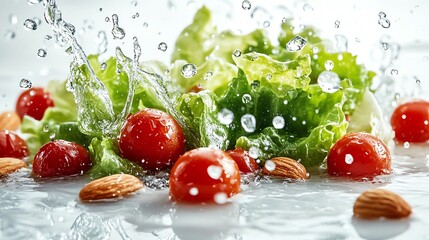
359, 155
410, 121
245, 162
204, 175
152, 139
34, 102
61, 158
11, 145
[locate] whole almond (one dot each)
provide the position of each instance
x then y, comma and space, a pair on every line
10, 165
109, 187
378, 203
9, 121
284, 167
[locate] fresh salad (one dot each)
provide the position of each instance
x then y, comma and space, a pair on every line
237, 104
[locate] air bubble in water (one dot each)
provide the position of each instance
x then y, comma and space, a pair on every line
188, 70
30, 24
349, 158
220, 198
246, 98
103, 66
208, 75
406, 145
246, 5
33, 2
394, 72
214, 172
278, 122
254, 152
337, 23
236, 53
117, 32
296, 44
248, 122
25, 83
193, 191
329, 81
42, 53
13, 19
329, 65
270, 165
225, 116
162, 46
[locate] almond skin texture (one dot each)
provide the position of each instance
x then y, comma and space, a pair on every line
381, 203
10, 165
284, 167
9, 121
114, 186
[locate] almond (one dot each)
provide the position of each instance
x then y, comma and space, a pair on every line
9, 121
378, 203
109, 187
285, 168
10, 165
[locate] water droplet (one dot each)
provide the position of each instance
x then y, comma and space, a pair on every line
137, 49
188, 70
33, 2
384, 45
107, 19
103, 66
426, 122
48, 37
278, 122
42, 52
117, 32
246, 98
208, 75
25, 83
384, 22
162, 46
329, 81
225, 116
236, 53
296, 44
270, 165
193, 191
266, 24
382, 15
394, 72
145, 25
248, 122
418, 82
349, 158
284, 20
337, 23
246, 5
269, 76
357, 40
52, 136
100, 9
45, 128
13, 19
70, 27
9, 34
254, 152
285, 102
214, 172
134, 3
307, 7
329, 65
341, 43
220, 198
406, 145
30, 24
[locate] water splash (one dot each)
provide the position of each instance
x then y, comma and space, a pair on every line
117, 32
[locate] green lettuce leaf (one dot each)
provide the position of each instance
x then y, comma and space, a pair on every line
107, 162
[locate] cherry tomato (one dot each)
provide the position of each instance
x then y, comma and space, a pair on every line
245, 162
11, 145
61, 158
410, 121
359, 155
204, 175
152, 139
33, 102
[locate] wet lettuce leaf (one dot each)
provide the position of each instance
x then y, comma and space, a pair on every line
106, 161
